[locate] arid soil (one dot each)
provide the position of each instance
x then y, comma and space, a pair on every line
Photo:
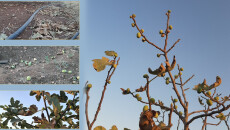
60, 20
39, 65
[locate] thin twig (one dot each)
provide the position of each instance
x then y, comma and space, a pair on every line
145, 36
47, 112
173, 45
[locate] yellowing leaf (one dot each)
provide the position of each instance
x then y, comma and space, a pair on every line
204, 86
171, 67
158, 71
32, 110
100, 64
99, 128
110, 53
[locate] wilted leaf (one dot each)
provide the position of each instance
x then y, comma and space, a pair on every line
217, 83
158, 71
141, 89
171, 67
99, 128
204, 86
71, 92
114, 128
200, 101
110, 53
33, 109
100, 64
37, 119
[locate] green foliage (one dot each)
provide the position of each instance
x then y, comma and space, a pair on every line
62, 112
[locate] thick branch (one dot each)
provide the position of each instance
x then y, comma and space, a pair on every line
208, 114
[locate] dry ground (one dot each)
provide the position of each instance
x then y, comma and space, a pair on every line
60, 20
44, 64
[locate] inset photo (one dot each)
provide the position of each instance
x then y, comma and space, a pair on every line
39, 65
39, 110
39, 20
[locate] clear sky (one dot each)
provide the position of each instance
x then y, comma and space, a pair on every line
202, 26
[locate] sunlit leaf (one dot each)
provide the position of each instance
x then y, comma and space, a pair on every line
99, 128
100, 64
110, 53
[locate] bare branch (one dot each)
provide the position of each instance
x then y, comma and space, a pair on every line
208, 114
173, 46
145, 36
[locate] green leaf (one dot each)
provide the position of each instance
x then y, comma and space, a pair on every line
99, 128
100, 64
12, 101
63, 97
53, 99
56, 105
110, 53
15, 120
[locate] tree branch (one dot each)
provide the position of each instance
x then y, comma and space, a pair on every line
208, 114
145, 36
47, 112
103, 92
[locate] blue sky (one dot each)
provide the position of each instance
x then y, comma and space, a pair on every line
202, 26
